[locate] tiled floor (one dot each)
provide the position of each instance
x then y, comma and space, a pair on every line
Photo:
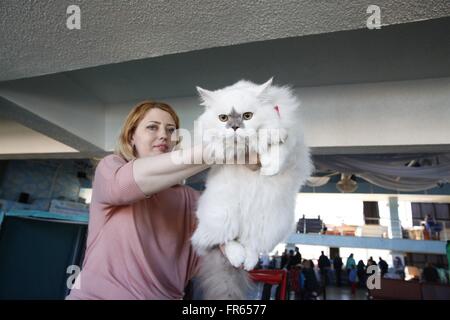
332, 293
343, 293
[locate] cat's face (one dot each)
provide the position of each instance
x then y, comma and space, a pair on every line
240, 106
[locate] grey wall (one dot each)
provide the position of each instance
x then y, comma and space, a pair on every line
369, 115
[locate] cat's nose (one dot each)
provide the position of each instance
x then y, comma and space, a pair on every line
235, 127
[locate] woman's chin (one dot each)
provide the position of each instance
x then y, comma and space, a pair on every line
157, 151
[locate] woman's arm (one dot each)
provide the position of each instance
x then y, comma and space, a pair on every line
156, 173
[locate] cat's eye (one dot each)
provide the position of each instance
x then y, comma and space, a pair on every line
223, 117
247, 115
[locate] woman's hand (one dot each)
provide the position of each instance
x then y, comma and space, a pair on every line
256, 166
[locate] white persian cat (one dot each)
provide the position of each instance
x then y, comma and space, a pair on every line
247, 211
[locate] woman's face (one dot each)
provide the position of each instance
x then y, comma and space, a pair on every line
153, 134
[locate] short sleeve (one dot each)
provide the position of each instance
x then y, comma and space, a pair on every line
114, 182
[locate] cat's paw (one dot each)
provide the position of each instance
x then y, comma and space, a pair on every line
247, 140
251, 260
229, 141
247, 146
283, 135
235, 253
269, 166
263, 141
278, 136
240, 140
270, 137
269, 171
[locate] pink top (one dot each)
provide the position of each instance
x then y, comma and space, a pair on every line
138, 247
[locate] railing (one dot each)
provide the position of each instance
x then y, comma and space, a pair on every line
383, 228
437, 230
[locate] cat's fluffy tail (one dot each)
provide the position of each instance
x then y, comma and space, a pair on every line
219, 280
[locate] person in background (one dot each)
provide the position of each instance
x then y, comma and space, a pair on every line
290, 260
277, 259
399, 267
426, 233
361, 272
353, 278
294, 283
311, 285
297, 257
443, 274
265, 261
433, 227
284, 259
301, 282
371, 262
337, 266
324, 265
430, 274
350, 263
383, 266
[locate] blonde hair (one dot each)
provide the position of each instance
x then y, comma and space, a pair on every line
124, 147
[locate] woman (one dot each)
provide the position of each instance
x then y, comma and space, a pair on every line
399, 267
311, 285
353, 279
141, 218
361, 273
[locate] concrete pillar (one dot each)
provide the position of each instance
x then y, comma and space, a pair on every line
395, 226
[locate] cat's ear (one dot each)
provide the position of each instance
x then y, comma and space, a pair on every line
206, 96
262, 88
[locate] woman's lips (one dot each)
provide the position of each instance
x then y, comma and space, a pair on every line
162, 147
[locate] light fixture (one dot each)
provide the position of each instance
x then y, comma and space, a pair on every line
346, 184
317, 181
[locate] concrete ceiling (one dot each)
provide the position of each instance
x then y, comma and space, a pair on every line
356, 56
410, 51
19, 125
76, 87
35, 40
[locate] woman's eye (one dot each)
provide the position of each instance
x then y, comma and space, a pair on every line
223, 117
171, 130
152, 127
247, 115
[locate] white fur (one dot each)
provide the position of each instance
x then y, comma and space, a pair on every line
250, 211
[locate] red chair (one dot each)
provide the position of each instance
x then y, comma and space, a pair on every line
272, 277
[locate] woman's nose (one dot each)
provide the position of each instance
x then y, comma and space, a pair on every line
162, 134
